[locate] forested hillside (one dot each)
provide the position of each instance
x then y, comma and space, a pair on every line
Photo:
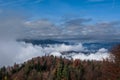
58, 68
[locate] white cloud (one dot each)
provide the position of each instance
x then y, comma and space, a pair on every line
13, 26
100, 30
58, 54
99, 55
42, 28
39, 23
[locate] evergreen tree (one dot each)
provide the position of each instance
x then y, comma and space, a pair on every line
66, 72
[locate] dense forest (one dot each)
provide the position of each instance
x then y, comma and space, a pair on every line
58, 68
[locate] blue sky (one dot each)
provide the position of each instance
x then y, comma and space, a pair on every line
81, 17
55, 9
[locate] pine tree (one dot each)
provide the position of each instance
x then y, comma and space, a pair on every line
66, 72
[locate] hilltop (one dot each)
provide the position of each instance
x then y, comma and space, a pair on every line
58, 68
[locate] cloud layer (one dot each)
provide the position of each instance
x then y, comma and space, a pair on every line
18, 52
74, 28
17, 26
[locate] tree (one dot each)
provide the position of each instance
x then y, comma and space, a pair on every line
66, 73
0, 74
112, 66
60, 69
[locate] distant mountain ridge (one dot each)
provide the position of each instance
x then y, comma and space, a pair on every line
43, 42
89, 45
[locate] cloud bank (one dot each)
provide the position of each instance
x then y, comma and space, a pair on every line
76, 28
21, 51
16, 26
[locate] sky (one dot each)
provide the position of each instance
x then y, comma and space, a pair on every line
55, 19
61, 19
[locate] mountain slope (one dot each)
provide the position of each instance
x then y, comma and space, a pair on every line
58, 68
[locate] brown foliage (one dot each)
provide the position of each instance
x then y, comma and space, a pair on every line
55, 68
